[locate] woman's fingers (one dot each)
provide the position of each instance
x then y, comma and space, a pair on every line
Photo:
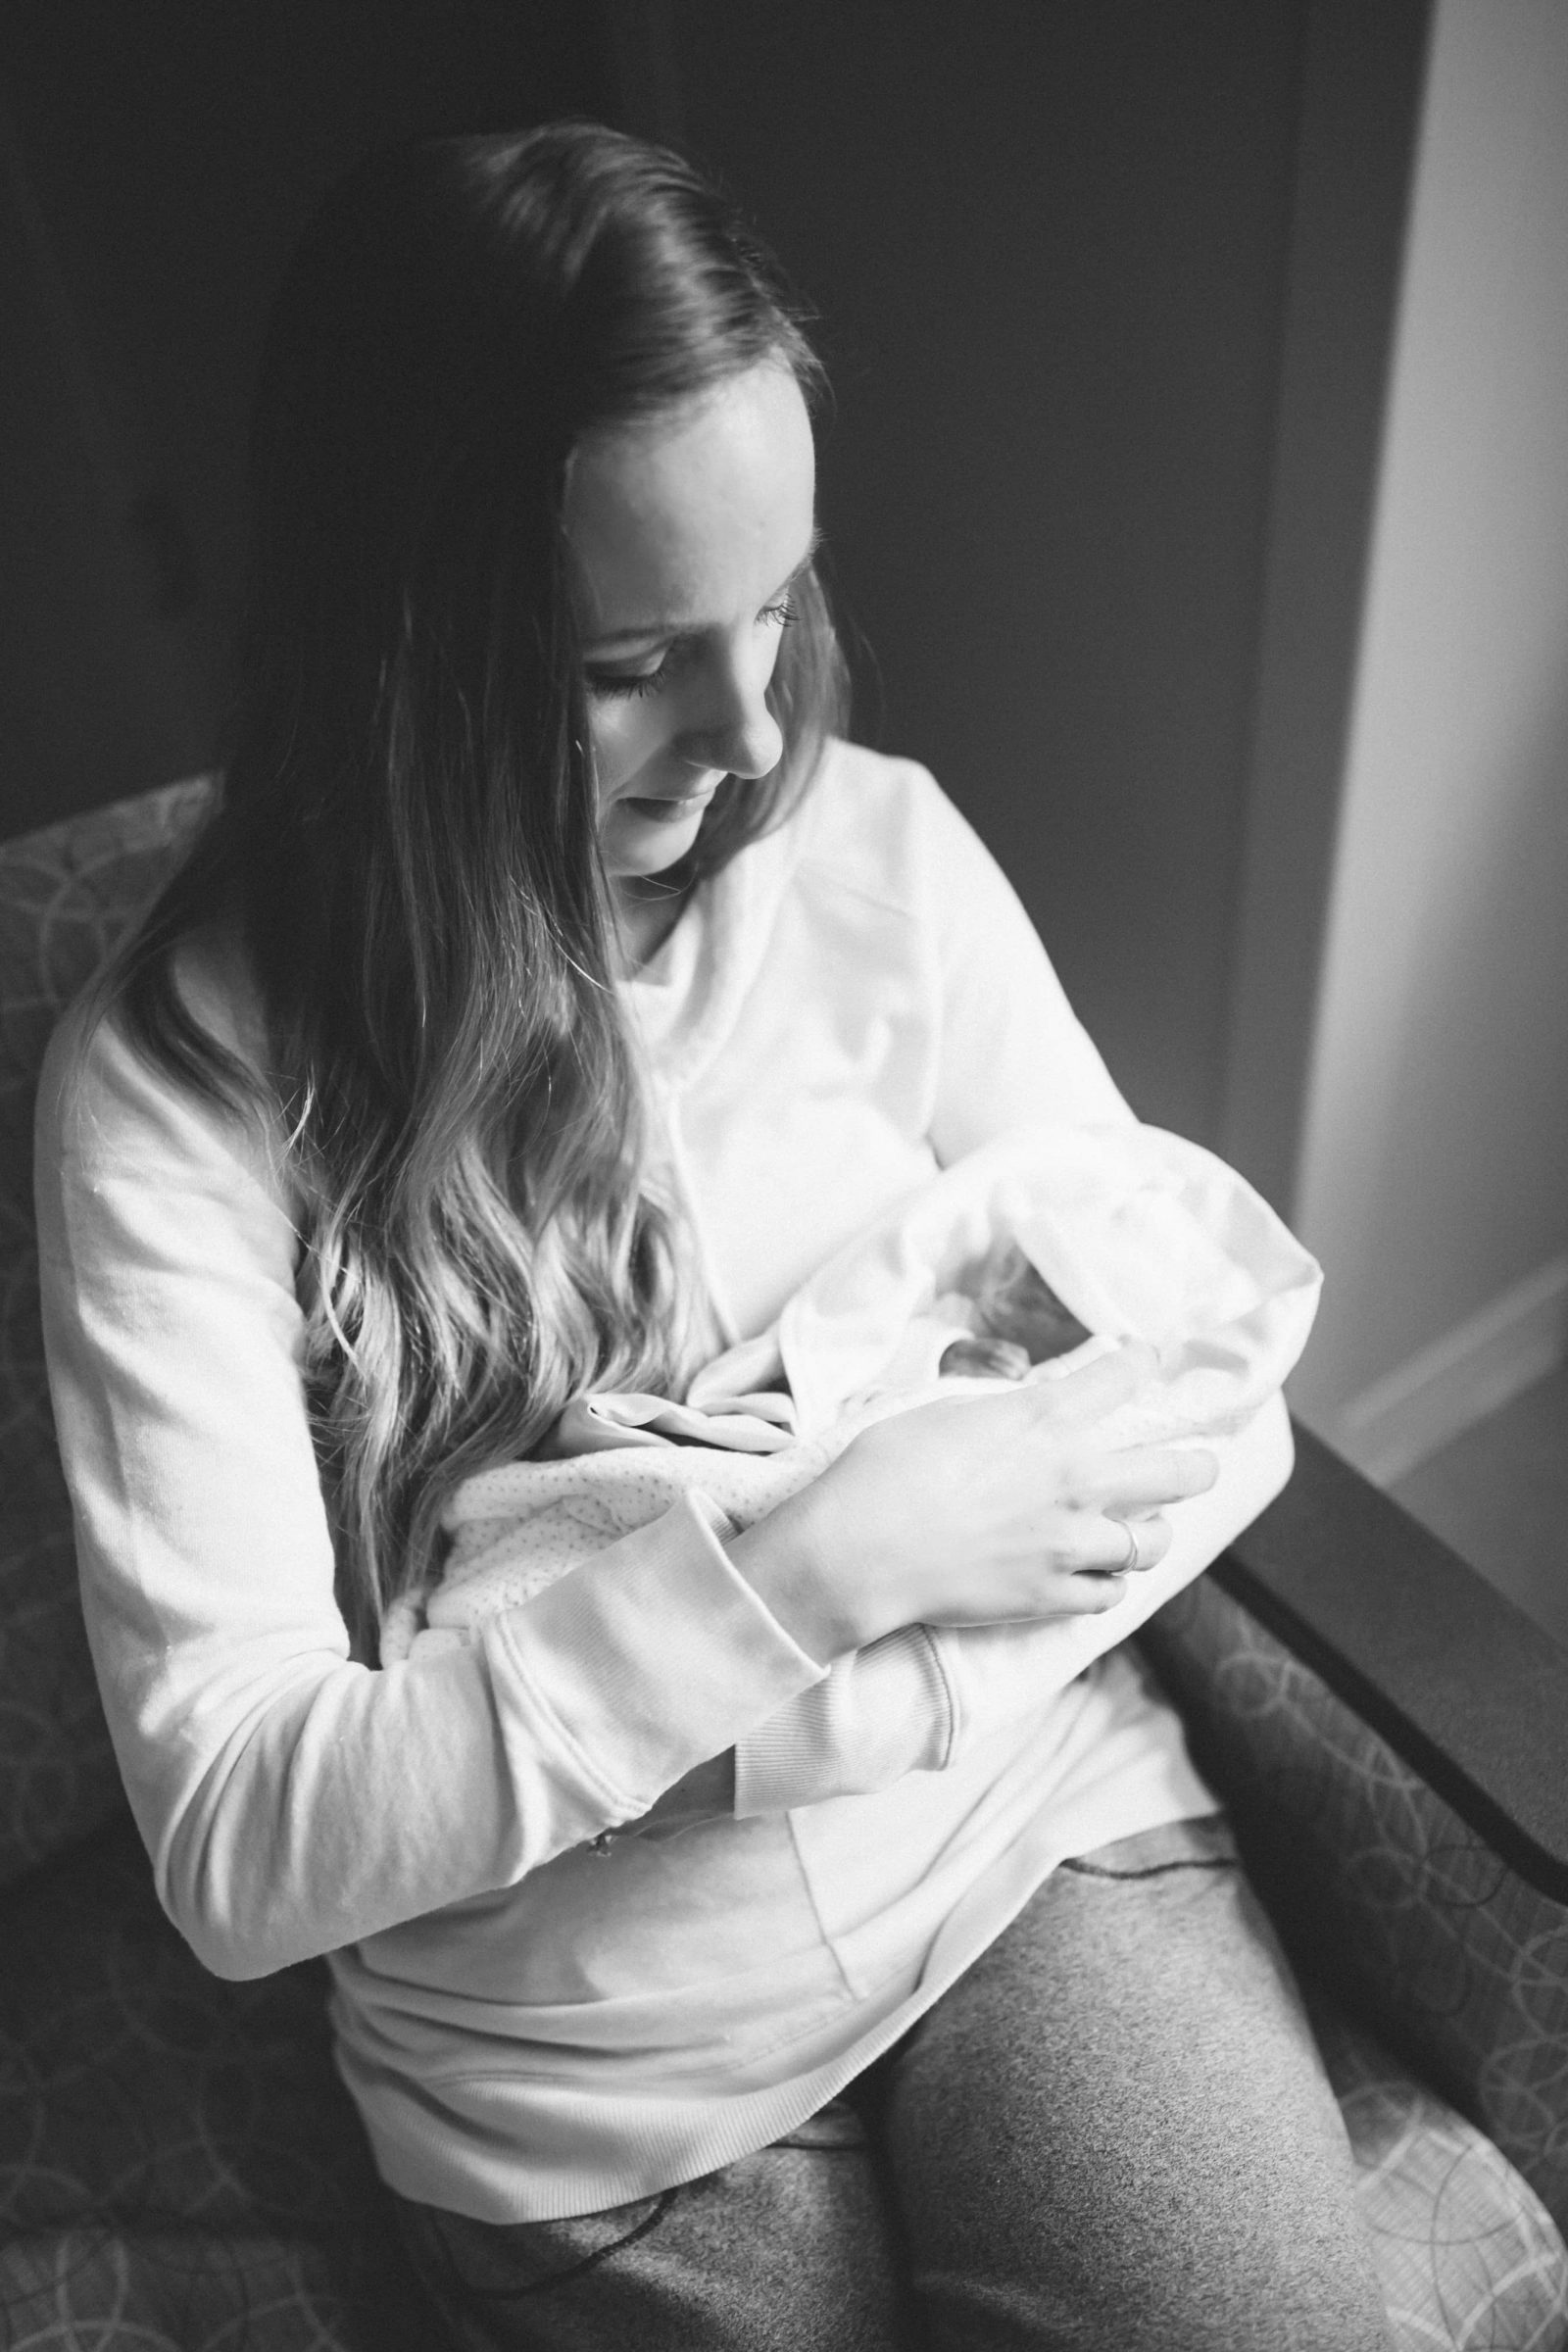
1089, 1595
1071, 1400
1104, 1545
1142, 1478
1101, 1558
1076, 1399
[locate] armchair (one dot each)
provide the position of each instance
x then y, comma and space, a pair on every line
1391, 1737
180, 2166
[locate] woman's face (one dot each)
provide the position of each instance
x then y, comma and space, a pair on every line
687, 534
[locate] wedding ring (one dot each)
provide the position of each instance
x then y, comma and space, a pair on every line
1133, 1559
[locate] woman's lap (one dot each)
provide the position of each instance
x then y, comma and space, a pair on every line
1156, 2158
789, 2250
1113, 2131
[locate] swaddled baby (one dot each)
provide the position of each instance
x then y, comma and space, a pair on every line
1016, 1263
1018, 1321
514, 1531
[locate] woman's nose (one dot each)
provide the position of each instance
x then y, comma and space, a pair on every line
735, 730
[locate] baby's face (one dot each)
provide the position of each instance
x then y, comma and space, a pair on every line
975, 1357
1022, 1322
1017, 1304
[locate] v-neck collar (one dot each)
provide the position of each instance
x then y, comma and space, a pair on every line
686, 998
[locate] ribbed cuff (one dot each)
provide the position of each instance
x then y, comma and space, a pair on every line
881, 1713
647, 1659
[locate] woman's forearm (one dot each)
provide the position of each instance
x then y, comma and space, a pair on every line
295, 1802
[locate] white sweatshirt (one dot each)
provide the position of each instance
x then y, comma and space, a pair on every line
533, 2027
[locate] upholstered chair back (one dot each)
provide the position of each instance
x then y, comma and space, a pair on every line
68, 895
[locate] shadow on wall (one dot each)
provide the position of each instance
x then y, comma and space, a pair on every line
155, 167
1050, 244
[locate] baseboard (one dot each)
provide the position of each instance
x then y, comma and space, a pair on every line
1473, 1370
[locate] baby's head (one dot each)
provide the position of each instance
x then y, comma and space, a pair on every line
1021, 1322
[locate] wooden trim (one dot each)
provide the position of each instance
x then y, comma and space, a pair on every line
1475, 1369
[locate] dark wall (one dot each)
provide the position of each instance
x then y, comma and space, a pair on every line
1049, 246
1048, 241
159, 163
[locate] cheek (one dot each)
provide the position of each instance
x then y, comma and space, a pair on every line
621, 734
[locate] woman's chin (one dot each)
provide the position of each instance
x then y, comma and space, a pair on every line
645, 836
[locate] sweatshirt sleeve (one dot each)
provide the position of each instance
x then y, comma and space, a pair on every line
294, 1801
879, 1713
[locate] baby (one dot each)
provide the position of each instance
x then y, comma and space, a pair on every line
962, 1283
613, 1462
1019, 1321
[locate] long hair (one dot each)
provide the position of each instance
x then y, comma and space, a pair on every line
406, 846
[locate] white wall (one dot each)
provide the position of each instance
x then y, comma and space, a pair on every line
1434, 1171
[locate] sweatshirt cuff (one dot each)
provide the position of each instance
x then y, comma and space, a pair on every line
879, 1713
653, 1656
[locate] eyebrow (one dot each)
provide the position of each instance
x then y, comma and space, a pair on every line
671, 628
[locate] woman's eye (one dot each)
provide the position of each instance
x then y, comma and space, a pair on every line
611, 683
618, 684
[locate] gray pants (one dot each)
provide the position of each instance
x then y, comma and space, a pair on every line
1112, 2132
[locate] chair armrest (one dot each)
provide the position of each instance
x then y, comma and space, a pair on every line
1460, 1683
1390, 1738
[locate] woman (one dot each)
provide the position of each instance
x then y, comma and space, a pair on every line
552, 993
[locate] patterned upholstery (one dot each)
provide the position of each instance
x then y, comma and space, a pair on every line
179, 2166
1378, 1888
178, 2161
66, 896
1467, 2252
1407, 1920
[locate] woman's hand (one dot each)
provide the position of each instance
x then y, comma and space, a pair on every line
971, 1511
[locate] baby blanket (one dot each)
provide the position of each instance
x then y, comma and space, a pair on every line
1138, 1233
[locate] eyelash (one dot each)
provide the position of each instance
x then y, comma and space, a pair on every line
622, 687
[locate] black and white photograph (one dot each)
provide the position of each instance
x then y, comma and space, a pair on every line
784, 1176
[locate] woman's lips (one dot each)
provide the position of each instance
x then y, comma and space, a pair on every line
668, 807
